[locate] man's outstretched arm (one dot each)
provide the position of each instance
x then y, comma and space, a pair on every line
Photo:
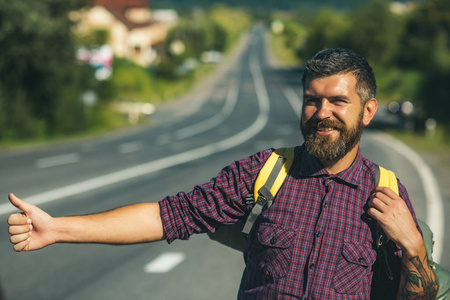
34, 229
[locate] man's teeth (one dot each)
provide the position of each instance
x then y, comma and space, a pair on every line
324, 129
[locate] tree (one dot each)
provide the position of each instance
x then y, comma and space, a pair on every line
375, 31
428, 37
425, 43
198, 33
328, 29
38, 67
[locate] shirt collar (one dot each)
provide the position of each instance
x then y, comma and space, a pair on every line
311, 167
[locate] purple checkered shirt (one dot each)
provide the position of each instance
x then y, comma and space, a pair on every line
313, 243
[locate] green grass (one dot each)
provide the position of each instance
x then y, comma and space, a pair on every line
169, 90
432, 144
112, 121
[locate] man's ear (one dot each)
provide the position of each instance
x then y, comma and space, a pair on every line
370, 108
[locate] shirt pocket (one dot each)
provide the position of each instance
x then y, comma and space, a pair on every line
353, 268
271, 252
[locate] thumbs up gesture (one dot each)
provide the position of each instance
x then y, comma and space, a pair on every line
31, 229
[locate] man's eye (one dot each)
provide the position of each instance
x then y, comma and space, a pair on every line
339, 101
311, 101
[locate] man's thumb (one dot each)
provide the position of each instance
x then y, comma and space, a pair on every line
19, 203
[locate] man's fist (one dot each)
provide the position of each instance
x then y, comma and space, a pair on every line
31, 229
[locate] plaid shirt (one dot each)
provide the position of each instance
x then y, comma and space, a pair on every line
313, 243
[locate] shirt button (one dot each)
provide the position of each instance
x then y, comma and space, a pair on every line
318, 234
311, 266
273, 240
325, 204
361, 260
268, 279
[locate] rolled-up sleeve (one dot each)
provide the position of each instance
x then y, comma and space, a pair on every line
218, 202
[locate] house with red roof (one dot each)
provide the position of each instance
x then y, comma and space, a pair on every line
133, 32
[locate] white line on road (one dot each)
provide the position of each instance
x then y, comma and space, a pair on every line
166, 162
216, 120
165, 262
57, 160
294, 100
163, 139
435, 210
130, 147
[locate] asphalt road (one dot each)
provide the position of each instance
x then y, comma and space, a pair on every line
247, 106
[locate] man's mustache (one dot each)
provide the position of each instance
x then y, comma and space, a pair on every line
315, 124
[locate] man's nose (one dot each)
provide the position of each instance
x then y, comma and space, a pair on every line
323, 109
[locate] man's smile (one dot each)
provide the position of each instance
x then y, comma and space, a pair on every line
324, 127
324, 130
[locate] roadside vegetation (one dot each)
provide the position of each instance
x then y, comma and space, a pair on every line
45, 95
408, 46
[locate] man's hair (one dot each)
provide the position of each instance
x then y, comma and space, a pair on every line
328, 62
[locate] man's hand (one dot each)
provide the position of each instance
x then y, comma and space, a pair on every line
35, 229
31, 229
417, 280
394, 217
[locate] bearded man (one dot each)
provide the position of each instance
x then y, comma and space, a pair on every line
315, 241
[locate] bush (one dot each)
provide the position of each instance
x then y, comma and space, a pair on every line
131, 82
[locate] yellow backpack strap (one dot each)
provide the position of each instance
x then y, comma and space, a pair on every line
269, 180
274, 171
384, 178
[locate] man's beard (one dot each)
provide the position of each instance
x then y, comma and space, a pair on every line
325, 148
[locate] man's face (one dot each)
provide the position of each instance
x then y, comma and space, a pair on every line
332, 116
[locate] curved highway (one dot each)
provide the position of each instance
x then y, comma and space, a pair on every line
246, 106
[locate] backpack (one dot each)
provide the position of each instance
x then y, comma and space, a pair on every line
239, 236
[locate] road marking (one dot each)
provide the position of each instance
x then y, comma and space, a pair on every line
212, 122
294, 100
435, 209
166, 162
216, 120
130, 147
163, 139
165, 262
57, 160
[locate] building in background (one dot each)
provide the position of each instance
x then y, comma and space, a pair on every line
134, 31
401, 8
